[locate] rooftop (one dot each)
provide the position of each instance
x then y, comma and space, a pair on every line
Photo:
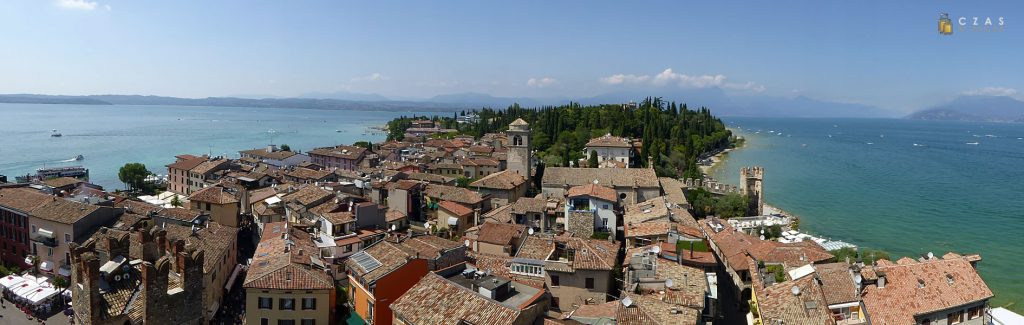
503, 180
436, 300
344, 152
609, 141
594, 191
931, 285
286, 258
613, 177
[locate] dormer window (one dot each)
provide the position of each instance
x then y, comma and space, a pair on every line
949, 279
920, 283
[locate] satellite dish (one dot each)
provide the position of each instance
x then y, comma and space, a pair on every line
530, 231
627, 301
930, 255
466, 242
656, 249
596, 181
393, 227
857, 278
795, 290
762, 237
668, 283
117, 278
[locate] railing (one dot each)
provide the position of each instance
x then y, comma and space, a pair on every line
45, 240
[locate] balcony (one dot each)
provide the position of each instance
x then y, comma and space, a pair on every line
44, 237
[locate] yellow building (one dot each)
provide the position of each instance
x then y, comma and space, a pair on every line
220, 202
287, 281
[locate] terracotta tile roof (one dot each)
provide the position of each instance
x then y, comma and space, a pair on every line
594, 191
394, 215
455, 208
645, 229
262, 153
431, 247
948, 282
778, 303
500, 215
187, 162
215, 240
650, 210
390, 255
837, 283
673, 189
215, 195
23, 199
480, 162
433, 178
209, 165
261, 194
63, 211
275, 268
605, 310
529, 205
337, 218
536, 248
308, 195
481, 149
733, 247
503, 180
344, 152
452, 193
499, 233
308, 174
437, 301
609, 141
62, 182
613, 177
499, 265
649, 309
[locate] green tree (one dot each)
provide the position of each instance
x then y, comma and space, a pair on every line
364, 144
732, 205
133, 175
175, 201
592, 161
61, 284
286, 147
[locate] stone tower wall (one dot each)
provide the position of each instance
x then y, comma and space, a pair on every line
519, 157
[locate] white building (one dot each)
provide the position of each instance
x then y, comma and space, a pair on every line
611, 150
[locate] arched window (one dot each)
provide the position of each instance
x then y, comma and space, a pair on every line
517, 140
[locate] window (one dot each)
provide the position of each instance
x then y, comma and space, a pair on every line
308, 321
266, 303
369, 309
590, 283
286, 304
308, 303
974, 312
264, 321
604, 206
956, 317
285, 322
49, 251
554, 280
67, 238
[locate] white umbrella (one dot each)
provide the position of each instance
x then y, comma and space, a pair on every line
11, 281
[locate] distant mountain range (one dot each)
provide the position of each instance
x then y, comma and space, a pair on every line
975, 109
714, 98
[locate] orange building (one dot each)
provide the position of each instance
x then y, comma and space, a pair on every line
379, 275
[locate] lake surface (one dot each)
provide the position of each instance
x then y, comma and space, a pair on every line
869, 184
110, 136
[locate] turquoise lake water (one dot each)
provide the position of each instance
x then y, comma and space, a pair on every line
940, 195
110, 136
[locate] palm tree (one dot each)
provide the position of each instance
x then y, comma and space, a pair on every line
35, 265
60, 283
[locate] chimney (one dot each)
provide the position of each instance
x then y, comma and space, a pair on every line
881, 281
271, 148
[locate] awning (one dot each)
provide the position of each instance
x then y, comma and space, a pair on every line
64, 270
234, 276
11, 280
46, 266
44, 232
28, 260
453, 221
39, 294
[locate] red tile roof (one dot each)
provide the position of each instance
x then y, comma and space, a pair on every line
275, 267
455, 208
499, 233
594, 191
215, 195
437, 301
947, 283
503, 180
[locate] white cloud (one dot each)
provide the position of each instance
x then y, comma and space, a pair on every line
78, 4
619, 79
376, 76
108, 7
542, 82
668, 76
992, 91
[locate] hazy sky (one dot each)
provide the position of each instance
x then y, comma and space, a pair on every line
885, 53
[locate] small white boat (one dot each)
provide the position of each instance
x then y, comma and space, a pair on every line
55, 134
972, 143
871, 143
78, 158
918, 145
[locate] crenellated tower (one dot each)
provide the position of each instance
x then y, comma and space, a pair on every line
752, 185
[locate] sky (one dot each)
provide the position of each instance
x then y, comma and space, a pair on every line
883, 53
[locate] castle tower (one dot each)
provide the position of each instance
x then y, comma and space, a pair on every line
519, 156
752, 185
